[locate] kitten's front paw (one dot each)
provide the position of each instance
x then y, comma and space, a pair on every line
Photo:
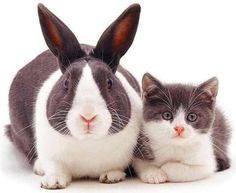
170, 168
112, 177
55, 181
153, 175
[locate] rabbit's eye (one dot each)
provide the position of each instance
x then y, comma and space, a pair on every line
66, 84
109, 83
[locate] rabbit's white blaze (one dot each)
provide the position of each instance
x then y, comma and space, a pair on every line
88, 104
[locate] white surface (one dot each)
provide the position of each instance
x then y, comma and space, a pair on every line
183, 41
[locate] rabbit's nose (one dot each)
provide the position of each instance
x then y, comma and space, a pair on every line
88, 120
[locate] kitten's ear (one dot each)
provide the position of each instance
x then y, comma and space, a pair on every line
151, 85
118, 37
208, 90
59, 38
210, 86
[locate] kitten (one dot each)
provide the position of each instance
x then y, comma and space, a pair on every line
184, 137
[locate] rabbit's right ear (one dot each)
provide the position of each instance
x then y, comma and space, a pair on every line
59, 38
118, 37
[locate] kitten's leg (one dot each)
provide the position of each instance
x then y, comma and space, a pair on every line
112, 176
56, 176
178, 172
148, 172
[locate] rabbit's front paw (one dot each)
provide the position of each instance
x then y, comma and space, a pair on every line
38, 169
112, 177
55, 181
153, 175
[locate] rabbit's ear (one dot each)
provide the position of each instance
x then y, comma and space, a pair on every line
118, 37
59, 38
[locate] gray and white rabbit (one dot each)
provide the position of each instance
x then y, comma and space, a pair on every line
185, 137
74, 111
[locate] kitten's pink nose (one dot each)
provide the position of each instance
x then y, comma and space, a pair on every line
179, 130
87, 120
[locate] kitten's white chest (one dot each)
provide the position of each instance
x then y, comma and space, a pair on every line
196, 153
169, 154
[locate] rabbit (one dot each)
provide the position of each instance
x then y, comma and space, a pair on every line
74, 111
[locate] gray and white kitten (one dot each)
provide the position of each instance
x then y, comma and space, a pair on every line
184, 137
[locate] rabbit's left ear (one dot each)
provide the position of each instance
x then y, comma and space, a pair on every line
59, 38
118, 37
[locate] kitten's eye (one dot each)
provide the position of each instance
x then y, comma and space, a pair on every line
66, 84
192, 117
167, 115
109, 83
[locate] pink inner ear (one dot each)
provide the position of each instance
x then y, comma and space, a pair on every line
206, 96
53, 32
122, 32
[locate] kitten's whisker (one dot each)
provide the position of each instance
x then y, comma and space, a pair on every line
195, 98
170, 97
219, 149
225, 135
163, 92
191, 97
218, 141
194, 105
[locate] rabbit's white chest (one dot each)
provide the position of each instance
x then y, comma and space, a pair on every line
89, 157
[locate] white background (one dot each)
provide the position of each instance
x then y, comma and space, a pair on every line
177, 41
